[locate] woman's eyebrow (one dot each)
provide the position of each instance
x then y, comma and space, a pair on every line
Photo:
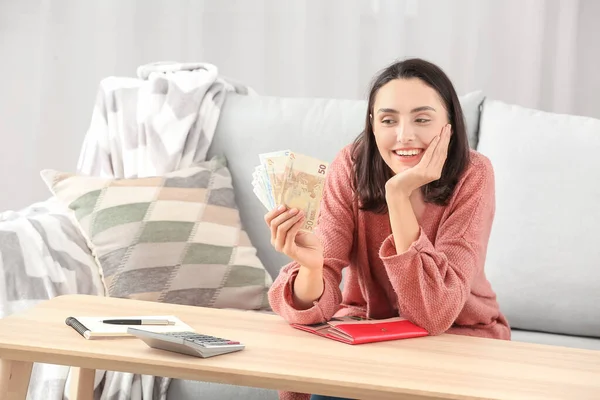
414, 110
388, 110
423, 108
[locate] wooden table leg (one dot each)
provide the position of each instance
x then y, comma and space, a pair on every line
82, 384
14, 379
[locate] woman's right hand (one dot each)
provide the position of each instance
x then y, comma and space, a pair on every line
287, 238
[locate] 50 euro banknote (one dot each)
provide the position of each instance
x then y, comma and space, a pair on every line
302, 186
293, 179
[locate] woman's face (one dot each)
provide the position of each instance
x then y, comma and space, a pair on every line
407, 115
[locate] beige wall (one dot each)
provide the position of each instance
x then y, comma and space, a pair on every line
541, 54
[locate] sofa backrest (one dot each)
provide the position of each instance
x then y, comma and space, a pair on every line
543, 258
250, 125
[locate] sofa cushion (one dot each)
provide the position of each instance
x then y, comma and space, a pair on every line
175, 238
197, 390
472, 104
250, 125
553, 339
543, 258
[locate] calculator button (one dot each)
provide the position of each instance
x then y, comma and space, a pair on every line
202, 340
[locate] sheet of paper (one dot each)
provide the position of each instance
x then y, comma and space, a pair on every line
98, 328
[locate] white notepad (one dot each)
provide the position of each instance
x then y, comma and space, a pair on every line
94, 328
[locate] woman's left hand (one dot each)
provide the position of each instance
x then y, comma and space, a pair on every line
428, 169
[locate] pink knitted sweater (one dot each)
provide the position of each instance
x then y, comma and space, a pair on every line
439, 283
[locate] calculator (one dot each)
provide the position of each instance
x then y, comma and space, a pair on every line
187, 342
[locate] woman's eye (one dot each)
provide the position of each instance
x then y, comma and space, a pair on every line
422, 120
387, 121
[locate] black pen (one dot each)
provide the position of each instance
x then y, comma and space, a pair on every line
138, 322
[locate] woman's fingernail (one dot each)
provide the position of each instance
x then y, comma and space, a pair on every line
293, 211
280, 208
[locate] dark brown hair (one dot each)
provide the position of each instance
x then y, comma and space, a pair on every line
370, 170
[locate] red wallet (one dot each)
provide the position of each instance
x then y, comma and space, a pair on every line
353, 330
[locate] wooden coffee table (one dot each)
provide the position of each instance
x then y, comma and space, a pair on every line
280, 357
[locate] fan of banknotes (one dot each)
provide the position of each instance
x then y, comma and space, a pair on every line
292, 179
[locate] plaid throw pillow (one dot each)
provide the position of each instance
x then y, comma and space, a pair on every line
175, 238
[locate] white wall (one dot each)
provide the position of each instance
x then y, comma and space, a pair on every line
538, 53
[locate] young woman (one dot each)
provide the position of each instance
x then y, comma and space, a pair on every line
412, 227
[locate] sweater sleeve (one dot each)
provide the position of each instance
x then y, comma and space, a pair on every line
335, 229
433, 282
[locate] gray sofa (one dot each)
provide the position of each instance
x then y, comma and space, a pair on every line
543, 260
